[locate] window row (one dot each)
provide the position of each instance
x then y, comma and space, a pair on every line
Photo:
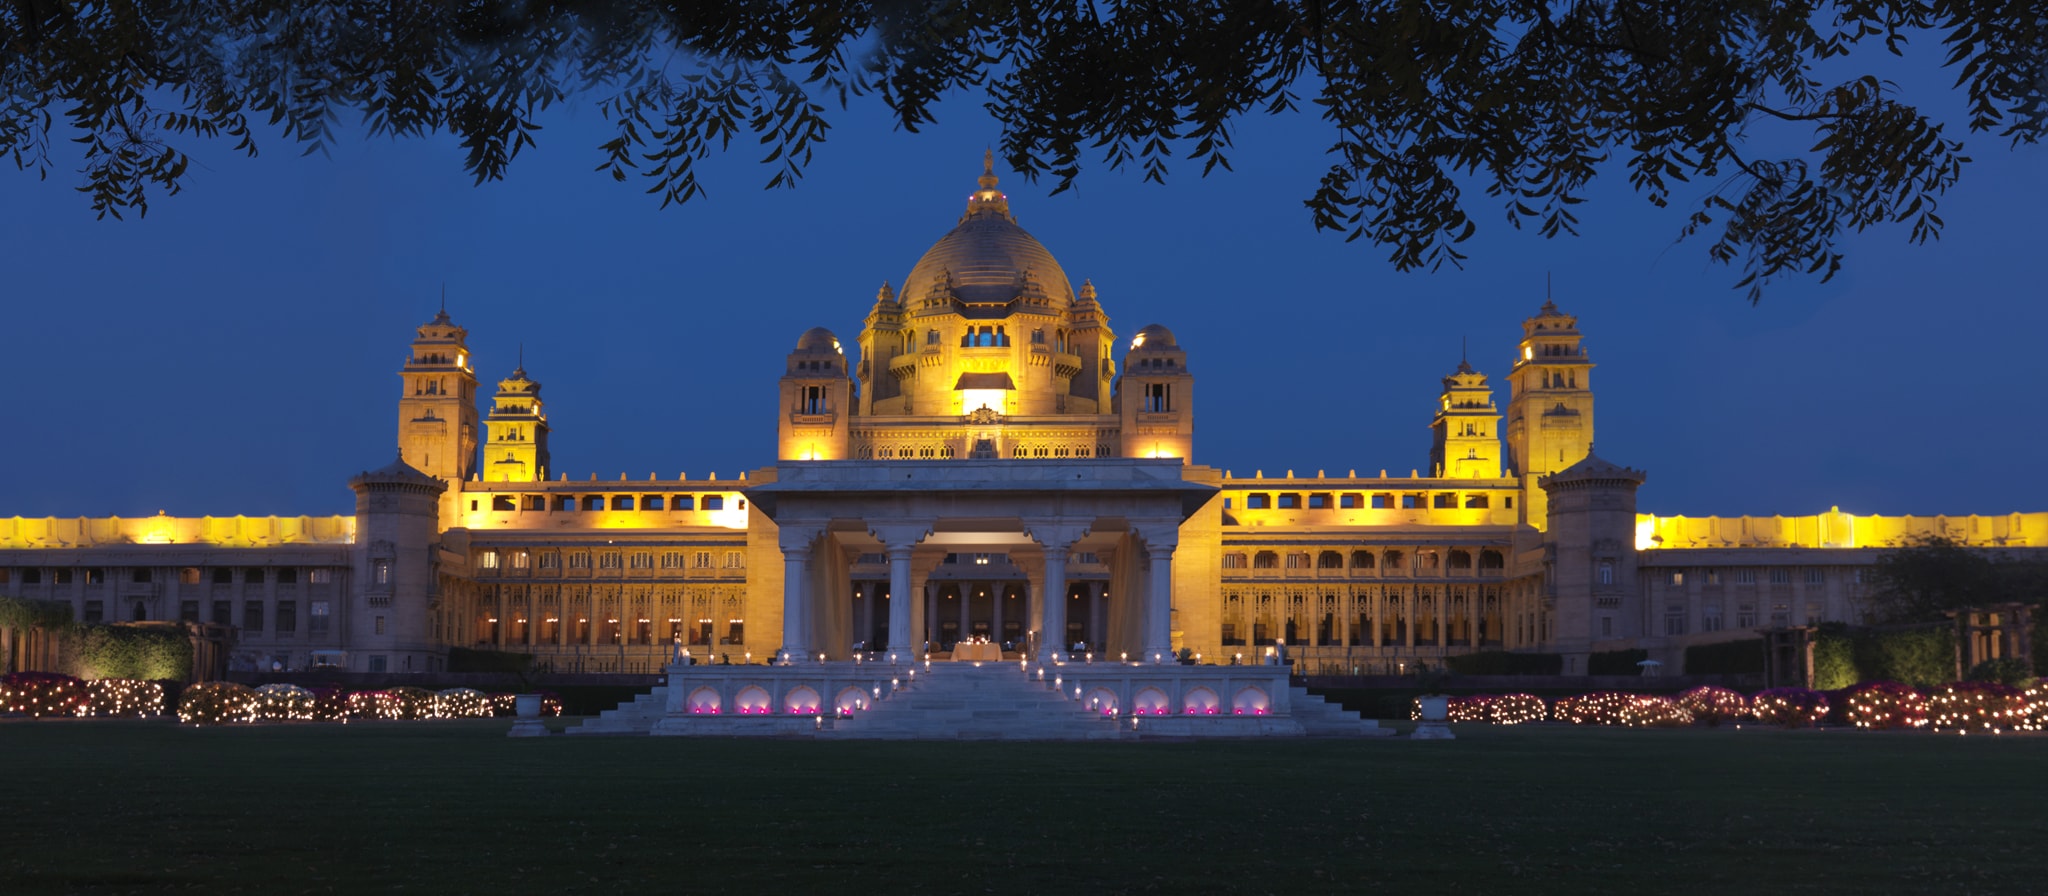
1774, 575
1360, 500
591, 503
189, 575
1426, 559
284, 620
493, 559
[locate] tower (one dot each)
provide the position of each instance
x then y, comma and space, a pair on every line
1550, 404
391, 622
1590, 550
1156, 397
516, 443
437, 416
1467, 428
817, 400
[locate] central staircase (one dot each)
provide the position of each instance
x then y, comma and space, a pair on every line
966, 702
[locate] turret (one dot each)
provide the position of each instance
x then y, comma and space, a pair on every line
516, 447
817, 400
1550, 404
1156, 397
1466, 443
437, 416
1590, 547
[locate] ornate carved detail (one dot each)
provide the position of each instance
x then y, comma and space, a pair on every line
982, 416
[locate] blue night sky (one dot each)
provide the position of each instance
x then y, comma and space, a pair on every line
236, 350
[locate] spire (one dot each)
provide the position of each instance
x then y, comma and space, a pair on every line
987, 199
1464, 355
520, 371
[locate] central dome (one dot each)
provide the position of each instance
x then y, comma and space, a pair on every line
986, 255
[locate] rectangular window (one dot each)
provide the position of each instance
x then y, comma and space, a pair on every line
643, 560
608, 560
380, 572
1475, 502
536, 502
1711, 622
1411, 502
1745, 616
188, 576
1606, 626
287, 617
1233, 561
317, 618
714, 502
1383, 501
95, 576
1257, 501
1297, 561
95, 611
1713, 577
379, 623
288, 575
139, 575
188, 611
1674, 624
223, 613
1745, 577
651, 502
1444, 500
700, 560
565, 503
1290, 502
684, 502
1158, 398
223, 576
622, 502
252, 616
550, 560
487, 560
252, 576
522, 560
1861, 576
31, 577
1318, 502
735, 560
1348, 501
62, 577
1781, 577
1816, 577
379, 662
504, 502
579, 560
672, 560
1675, 578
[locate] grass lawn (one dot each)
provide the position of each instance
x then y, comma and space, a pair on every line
456, 807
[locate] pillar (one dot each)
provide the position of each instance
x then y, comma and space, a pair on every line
1098, 614
1051, 586
899, 604
796, 571
1159, 596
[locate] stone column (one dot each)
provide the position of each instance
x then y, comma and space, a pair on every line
1058, 541
1159, 546
995, 616
966, 606
1098, 614
796, 568
900, 600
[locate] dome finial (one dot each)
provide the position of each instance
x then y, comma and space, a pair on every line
988, 169
986, 198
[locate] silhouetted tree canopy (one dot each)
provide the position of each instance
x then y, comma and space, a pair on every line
1524, 103
1930, 577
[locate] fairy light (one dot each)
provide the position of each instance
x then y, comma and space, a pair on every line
1789, 707
1880, 705
1714, 705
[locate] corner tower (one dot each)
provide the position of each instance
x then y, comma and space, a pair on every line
1550, 404
817, 399
516, 443
1467, 428
1156, 397
437, 416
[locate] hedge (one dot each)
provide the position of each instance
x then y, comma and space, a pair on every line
1616, 662
1844, 656
1501, 662
16, 612
147, 653
1744, 657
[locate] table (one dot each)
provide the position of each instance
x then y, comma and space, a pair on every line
981, 653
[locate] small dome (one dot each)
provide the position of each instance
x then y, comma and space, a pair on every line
817, 339
1154, 337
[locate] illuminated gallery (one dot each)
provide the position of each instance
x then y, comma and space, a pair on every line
987, 474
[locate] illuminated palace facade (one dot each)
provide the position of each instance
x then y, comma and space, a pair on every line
990, 462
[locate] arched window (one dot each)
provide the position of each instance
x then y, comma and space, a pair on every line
1330, 560
1361, 559
1461, 559
1266, 560
1490, 560
1392, 561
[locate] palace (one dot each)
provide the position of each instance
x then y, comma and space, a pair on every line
985, 467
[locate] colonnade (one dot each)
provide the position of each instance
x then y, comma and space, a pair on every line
1015, 617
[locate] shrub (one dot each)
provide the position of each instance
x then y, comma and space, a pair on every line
217, 703
1980, 705
1515, 709
1616, 708
410, 703
1714, 705
2009, 671
1790, 707
330, 705
142, 651
40, 694
1616, 662
1885, 704
462, 703
369, 705
284, 703
1501, 662
124, 698
2037, 706
1844, 656
1744, 657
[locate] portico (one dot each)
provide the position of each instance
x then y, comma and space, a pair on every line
1038, 555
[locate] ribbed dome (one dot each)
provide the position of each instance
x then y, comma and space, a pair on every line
986, 254
817, 339
1154, 337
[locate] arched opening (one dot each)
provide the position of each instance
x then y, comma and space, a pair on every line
802, 700
704, 701
1250, 702
1150, 702
1102, 700
1201, 701
751, 700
